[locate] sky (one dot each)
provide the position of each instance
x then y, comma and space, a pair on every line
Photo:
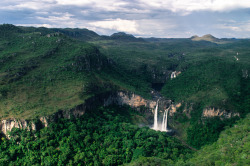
142, 18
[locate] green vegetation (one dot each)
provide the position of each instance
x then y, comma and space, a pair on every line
211, 77
42, 72
106, 137
45, 70
206, 131
212, 83
232, 148
101, 137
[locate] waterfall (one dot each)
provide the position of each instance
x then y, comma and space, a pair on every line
164, 126
155, 116
173, 75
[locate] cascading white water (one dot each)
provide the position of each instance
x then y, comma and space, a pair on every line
164, 126
155, 116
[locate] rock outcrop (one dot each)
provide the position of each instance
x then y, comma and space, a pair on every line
212, 112
119, 98
173, 109
8, 125
207, 112
131, 99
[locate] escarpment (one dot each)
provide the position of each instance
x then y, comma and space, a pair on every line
213, 112
209, 112
135, 101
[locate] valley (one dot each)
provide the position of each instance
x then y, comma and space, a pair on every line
70, 96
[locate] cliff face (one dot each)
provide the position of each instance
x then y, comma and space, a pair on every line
106, 99
207, 112
173, 108
8, 125
212, 112
142, 105
131, 99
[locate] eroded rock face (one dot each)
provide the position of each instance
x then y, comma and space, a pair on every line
44, 121
207, 112
212, 112
186, 110
119, 98
134, 100
8, 125
173, 108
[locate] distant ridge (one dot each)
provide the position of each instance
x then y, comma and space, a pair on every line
125, 37
207, 37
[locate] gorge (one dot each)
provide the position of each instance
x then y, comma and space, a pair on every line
71, 96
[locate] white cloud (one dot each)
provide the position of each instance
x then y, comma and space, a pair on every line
117, 24
236, 26
60, 17
196, 5
106, 5
75, 2
159, 18
25, 4
178, 6
60, 20
35, 25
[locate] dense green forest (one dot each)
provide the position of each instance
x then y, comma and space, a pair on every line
232, 148
104, 136
42, 73
46, 70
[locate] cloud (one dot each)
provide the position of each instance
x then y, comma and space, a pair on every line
188, 6
117, 24
158, 18
35, 25
25, 4
236, 26
177, 6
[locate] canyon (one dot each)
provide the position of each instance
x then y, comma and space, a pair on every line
145, 106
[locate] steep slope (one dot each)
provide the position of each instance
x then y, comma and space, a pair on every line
104, 136
232, 148
207, 76
211, 78
41, 73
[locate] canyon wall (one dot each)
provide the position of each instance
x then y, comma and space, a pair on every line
213, 112
120, 98
206, 113
144, 106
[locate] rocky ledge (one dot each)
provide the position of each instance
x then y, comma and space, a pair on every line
213, 112
120, 98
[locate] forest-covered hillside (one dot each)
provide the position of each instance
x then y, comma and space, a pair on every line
42, 73
47, 70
